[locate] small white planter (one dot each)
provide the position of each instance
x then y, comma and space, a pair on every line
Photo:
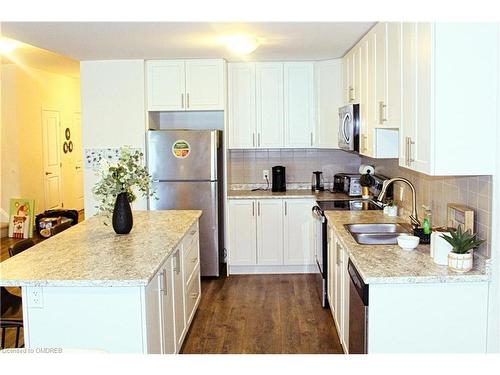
391, 210
461, 262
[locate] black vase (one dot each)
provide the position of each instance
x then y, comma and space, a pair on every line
122, 215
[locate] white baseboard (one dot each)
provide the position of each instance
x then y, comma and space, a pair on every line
256, 270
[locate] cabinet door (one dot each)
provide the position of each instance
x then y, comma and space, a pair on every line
380, 72
391, 110
331, 272
355, 75
166, 85
242, 232
346, 78
270, 232
241, 97
205, 85
154, 314
269, 98
416, 92
328, 90
178, 283
365, 94
298, 232
298, 91
345, 300
167, 305
337, 293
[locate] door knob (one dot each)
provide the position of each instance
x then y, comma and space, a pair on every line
47, 173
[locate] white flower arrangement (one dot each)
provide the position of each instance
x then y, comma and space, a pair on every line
126, 175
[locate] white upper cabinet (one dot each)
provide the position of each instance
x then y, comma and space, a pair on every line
241, 91
449, 75
166, 85
269, 108
185, 85
328, 100
204, 85
298, 91
298, 232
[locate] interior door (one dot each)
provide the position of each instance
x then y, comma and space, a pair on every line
51, 159
73, 178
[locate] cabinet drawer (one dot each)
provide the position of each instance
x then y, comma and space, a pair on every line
193, 294
188, 238
191, 259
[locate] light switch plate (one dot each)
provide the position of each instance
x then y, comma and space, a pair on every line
35, 297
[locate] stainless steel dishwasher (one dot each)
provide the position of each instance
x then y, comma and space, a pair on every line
358, 312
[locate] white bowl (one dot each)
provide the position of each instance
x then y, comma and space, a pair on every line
408, 243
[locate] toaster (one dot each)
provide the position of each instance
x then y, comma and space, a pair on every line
347, 183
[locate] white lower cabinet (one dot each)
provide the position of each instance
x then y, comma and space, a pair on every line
270, 235
338, 287
298, 232
172, 296
270, 232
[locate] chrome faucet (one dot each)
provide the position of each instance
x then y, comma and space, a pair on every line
413, 217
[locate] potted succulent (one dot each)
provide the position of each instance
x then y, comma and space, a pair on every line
366, 180
461, 257
118, 186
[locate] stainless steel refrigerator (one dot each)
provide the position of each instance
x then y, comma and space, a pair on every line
186, 166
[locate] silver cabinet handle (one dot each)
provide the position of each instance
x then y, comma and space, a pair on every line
253, 208
258, 139
286, 206
165, 287
187, 99
253, 139
182, 100
312, 138
351, 93
381, 113
47, 173
258, 208
410, 151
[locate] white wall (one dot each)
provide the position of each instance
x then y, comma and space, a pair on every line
113, 112
494, 305
25, 93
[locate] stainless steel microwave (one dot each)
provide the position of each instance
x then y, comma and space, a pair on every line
349, 128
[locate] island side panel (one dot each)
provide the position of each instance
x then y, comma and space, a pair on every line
103, 318
428, 318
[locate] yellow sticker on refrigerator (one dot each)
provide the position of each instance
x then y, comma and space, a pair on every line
181, 149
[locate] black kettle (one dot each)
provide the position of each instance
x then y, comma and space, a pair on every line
317, 181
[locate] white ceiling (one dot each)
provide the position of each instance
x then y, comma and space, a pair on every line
154, 40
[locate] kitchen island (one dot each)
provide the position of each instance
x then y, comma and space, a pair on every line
414, 305
88, 288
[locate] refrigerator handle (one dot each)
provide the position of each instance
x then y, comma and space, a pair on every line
213, 155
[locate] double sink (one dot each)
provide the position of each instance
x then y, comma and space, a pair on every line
379, 233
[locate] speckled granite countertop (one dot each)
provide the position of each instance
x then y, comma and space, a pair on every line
289, 194
383, 264
91, 254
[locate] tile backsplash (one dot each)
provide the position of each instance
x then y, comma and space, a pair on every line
436, 192
246, 166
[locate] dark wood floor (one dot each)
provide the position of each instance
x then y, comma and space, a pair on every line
261, 314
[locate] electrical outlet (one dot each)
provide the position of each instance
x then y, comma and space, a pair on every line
35, 297
265, 174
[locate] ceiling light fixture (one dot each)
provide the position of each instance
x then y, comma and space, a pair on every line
241, 44
7, 46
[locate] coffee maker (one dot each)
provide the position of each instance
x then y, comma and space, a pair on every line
279, 179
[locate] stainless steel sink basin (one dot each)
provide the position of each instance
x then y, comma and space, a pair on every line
378, 234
